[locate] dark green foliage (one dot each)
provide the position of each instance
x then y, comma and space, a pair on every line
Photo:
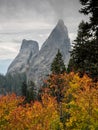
71, 66
84, 56
17, 84
58, 67
24, 89
31, 92
80, 50
2, 84
11, 83
91, 7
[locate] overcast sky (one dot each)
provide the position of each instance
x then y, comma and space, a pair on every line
33, 19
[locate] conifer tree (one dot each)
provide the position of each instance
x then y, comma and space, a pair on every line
79, 54
58, 67
24, 89
31, 92
91, 7
84, 56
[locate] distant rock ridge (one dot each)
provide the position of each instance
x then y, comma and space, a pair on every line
39, 62
29, 48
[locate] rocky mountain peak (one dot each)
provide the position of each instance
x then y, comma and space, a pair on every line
58, 39
29, 49
36, 64
29, 44
61, 28
58, 36
60, 23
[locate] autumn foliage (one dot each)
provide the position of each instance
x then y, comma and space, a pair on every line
14, 115
78, 106
81, 102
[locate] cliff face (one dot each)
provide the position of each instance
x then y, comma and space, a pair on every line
37, 63
20, 64
58, 39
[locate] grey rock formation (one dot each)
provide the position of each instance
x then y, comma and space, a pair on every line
37, 63
40, 65
28, 50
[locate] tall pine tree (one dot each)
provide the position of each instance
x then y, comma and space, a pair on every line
84, 56
58, 67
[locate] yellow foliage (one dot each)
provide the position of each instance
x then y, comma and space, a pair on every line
81, 102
